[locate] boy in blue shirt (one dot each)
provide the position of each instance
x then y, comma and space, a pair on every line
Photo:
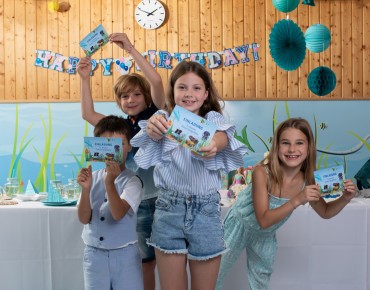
107, 207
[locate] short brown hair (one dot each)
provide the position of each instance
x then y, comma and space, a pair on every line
113, 124
127, 83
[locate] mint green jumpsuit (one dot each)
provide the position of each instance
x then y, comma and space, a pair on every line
242, 231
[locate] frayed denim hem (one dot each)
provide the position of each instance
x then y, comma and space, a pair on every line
197, 258
180, 251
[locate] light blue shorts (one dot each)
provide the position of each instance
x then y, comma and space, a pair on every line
188, 224
118, 269
145, 217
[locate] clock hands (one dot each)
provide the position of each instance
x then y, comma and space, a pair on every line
151, 13
148, 13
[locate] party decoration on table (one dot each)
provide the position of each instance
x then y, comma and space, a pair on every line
287, 44
11, 187
61, 203
55, 192
30, 189
308, 2
285, 5
317, 38
321, 81
94, 40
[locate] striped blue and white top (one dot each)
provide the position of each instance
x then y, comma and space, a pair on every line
178, 170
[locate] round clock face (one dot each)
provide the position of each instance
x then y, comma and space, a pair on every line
150, 14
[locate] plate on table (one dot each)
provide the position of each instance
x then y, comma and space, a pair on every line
67, 202
29, 197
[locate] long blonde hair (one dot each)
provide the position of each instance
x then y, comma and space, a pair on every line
273, 163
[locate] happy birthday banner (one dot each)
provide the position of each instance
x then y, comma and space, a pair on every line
227, 57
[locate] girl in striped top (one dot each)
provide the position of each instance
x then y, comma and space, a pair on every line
187, 221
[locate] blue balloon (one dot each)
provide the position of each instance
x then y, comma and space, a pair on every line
317, 38
285, 5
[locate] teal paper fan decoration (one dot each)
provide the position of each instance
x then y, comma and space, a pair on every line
317, 38
321, 81
285, 5
308, 2
287, 45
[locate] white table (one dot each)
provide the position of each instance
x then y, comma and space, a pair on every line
41, 249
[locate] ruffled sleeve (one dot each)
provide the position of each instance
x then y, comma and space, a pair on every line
232, 156
150, 151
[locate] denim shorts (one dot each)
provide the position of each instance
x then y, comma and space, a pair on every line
113, 269
188, 224
145, 216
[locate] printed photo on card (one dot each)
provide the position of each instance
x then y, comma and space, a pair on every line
101, 149
94, 40
190, 130
330, 180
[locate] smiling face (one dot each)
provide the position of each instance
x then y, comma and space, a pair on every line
293, 148
133, 102
190, 92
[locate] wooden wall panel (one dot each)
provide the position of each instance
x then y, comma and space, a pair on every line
191, 26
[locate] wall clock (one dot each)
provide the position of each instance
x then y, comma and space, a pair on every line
150, 14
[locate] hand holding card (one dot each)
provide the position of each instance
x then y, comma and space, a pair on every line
330, 180
101, 149
94, 40
190, 130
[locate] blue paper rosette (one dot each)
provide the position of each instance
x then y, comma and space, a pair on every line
287, 45
321, 81
317, 38
285, 5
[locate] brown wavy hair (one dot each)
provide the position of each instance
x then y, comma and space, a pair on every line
212, 102
127, 83
273, 163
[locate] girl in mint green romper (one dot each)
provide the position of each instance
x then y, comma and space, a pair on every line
252, 222
242, 231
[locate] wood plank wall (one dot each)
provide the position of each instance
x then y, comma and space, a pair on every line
192, 26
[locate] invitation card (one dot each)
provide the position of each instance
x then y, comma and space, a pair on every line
330, 180
94, 40
100, 149
189, 129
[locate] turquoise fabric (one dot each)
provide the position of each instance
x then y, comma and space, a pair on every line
242, 231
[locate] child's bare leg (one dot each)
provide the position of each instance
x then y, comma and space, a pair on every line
204, 273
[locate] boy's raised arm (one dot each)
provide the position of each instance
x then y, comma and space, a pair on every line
87, 104
155, 80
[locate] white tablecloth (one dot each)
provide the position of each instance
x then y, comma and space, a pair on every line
41, 249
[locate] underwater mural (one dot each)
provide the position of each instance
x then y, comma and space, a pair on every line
42, 141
